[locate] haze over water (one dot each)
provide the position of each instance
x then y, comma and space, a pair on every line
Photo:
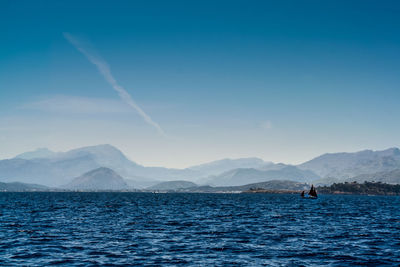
38, 229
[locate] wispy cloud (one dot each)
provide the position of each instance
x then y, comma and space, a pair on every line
76, 105
266, 125
104, 69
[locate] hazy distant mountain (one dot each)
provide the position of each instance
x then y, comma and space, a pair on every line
246, 176
345, 165
98, 179
326, 181
36, 154
389, 177
172, 185
111, 157
27, 171
224, 165
18, 187
273, 166
49, 168
280, 185
56, 169
141, 182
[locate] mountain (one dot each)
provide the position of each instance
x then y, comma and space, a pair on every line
326, 181
172, 185
245, 176
274, 166
98, 179
36, 154
345, 165
224, 165
19, 187
389, 177
273, 185
58, 168
111, 157
27, 171
53, 169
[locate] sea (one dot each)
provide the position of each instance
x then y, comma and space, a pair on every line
147, 229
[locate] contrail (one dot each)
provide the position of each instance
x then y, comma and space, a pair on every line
104, 69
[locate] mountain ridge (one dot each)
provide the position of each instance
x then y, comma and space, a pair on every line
244, 176
43, 166
58, 169
346, 165
220, 166
37, 153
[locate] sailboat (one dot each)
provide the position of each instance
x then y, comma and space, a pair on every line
312, 194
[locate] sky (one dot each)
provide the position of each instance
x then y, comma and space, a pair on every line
180, 83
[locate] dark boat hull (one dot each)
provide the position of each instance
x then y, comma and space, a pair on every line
309, 197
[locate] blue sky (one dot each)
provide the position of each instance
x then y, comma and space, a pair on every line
281, 80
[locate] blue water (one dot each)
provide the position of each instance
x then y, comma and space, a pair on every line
197, 229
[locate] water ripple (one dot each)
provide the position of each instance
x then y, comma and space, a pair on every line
85, 229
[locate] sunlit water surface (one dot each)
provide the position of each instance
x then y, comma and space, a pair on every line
197, 229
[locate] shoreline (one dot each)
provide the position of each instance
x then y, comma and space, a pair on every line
270, 192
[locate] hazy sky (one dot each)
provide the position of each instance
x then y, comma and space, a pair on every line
281, 80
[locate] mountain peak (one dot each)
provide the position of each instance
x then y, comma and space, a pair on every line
102, 171
98, 179
99, 148
104, 154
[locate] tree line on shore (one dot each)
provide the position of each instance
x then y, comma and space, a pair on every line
366, 188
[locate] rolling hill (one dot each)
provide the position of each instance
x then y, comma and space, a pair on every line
98, 179
239, 177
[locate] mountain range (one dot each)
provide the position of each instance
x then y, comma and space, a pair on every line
242, 176
72, 168
347, 165
224, 165
56, 169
